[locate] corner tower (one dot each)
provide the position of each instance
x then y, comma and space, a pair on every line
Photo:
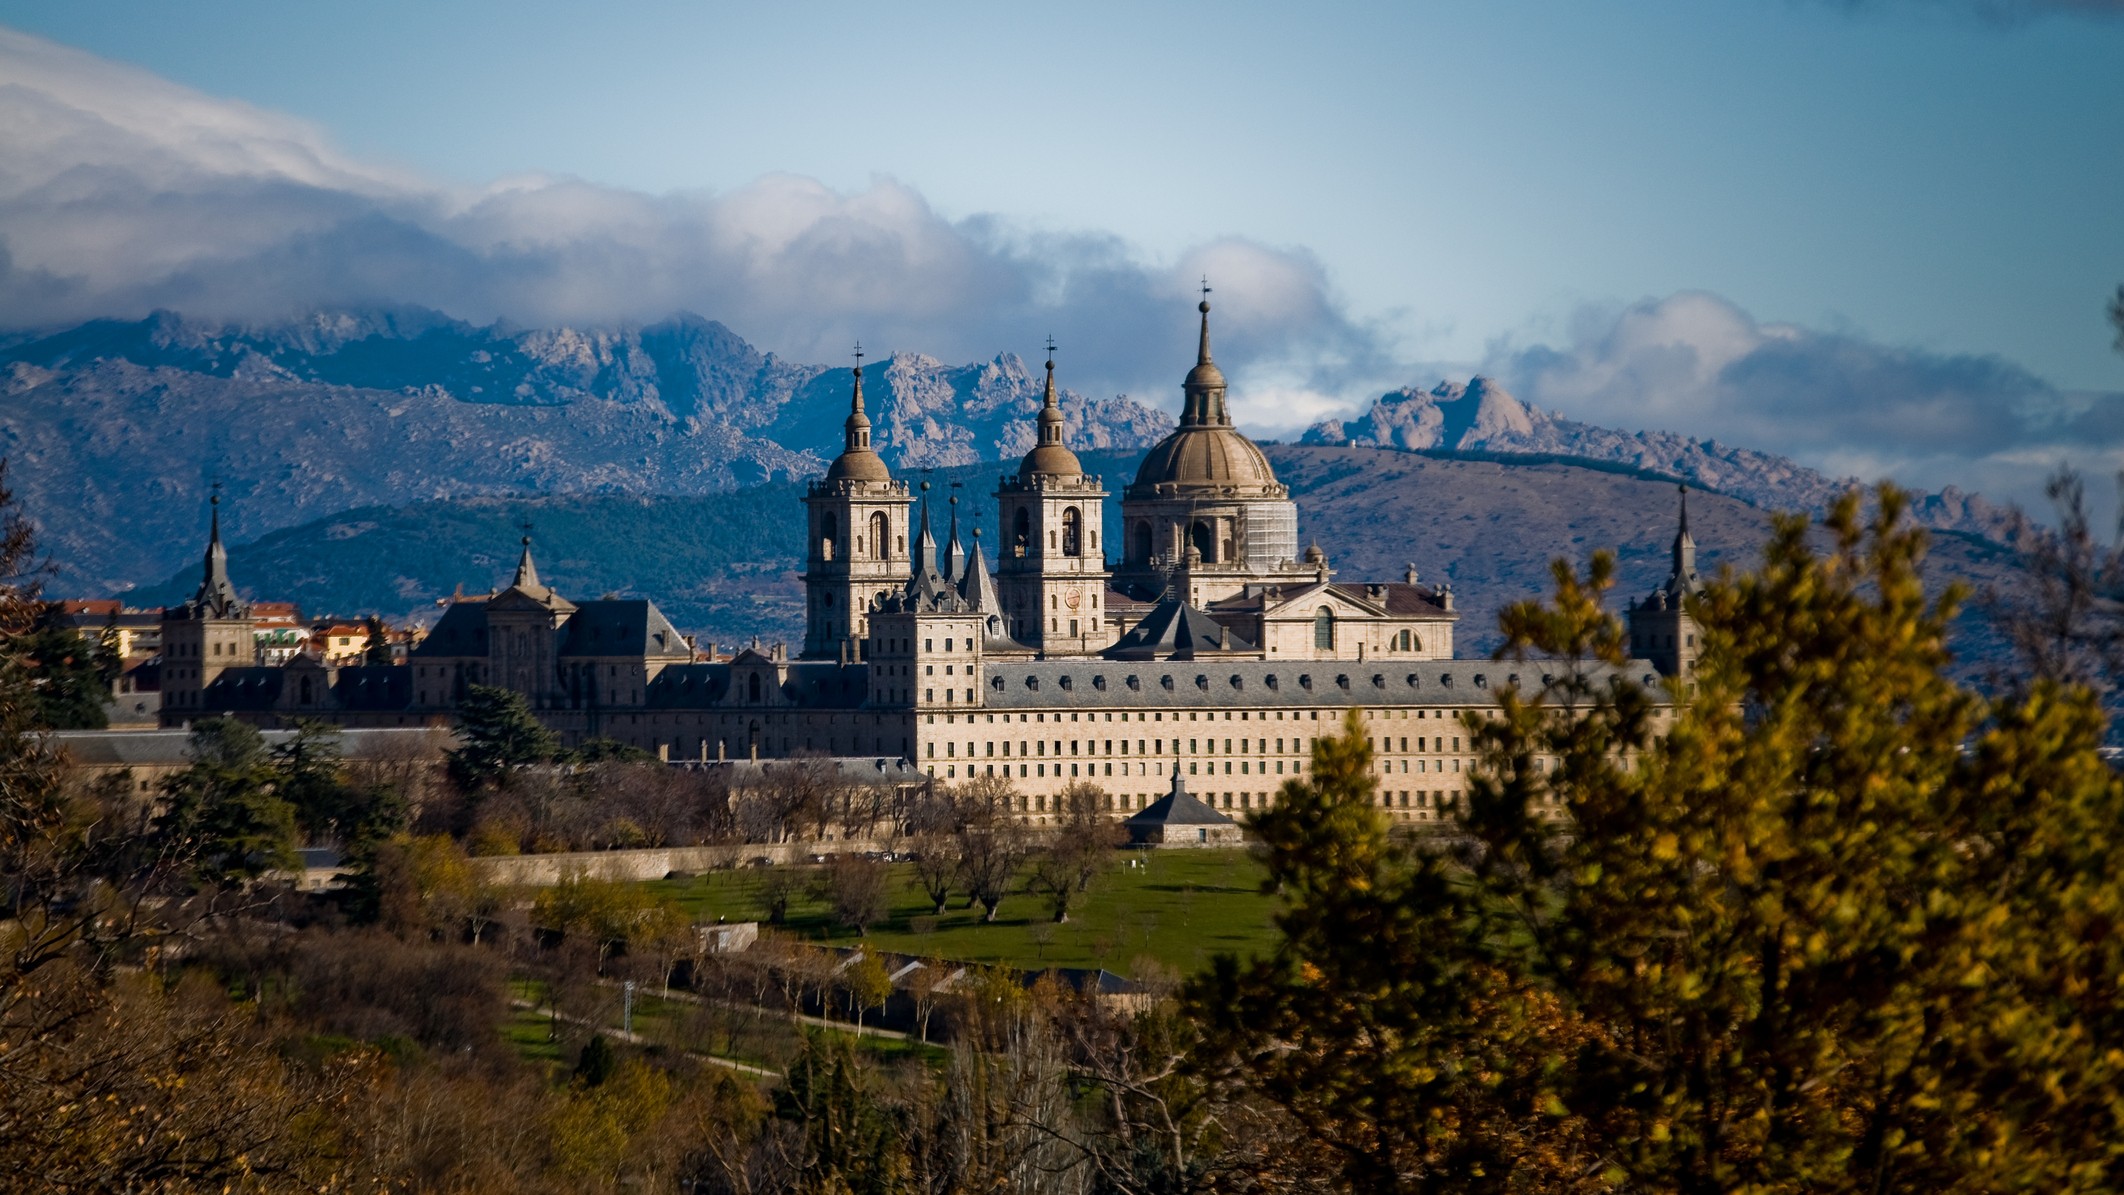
207, 635
1661, 628
857, 539
1051, 571
1206, 499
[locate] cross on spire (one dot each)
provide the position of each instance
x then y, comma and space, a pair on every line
1205, 288
859, 354
526, 525
1050, 350
215, 500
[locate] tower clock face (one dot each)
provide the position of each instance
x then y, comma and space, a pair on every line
1071, 600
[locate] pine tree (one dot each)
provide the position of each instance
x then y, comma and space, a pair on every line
500, 733
1832, 922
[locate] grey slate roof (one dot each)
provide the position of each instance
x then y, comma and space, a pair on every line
1270, 684
461, 631
1173, 629
152, 748
621, 627
1178, 807
813, 684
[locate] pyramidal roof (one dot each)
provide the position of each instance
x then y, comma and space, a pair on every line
1178, 807
1175, 630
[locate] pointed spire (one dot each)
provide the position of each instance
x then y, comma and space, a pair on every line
954, 553
526, 568
1683, 579
858, 460
1050, 407
1050, 457
1205, 382
976, 586
858, 425
925, 545
217, 595
1202, 353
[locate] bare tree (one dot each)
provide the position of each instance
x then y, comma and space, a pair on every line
2066, 620
993, 842
1077, 851
935, 858
855, 888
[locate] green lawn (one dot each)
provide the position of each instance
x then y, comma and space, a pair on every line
1180, 908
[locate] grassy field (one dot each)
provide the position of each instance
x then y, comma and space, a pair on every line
1179, 908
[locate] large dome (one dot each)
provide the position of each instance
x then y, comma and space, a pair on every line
1215, 457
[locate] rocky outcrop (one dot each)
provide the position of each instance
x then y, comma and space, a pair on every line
1481, 417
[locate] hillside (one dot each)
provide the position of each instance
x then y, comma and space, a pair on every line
726, 567
115, 429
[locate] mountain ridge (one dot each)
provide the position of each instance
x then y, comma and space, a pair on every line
1481, 416
115, 429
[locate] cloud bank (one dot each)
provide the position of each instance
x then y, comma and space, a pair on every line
121, 192
1697, 364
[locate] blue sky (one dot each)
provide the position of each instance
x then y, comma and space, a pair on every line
1434, 189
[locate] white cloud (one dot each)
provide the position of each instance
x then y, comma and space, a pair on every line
1697, 364
121, 192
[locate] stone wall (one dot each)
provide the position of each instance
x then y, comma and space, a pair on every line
544, 871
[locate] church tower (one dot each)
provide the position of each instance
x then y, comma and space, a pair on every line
205, 636
857, 539
1661, 629
1051, 570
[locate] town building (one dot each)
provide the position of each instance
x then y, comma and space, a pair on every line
1208, 646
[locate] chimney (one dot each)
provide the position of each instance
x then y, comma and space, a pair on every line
1412, 572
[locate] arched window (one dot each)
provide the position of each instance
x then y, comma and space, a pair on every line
1143, 541
1324, 629
1072, 532
827, 530
1205, 541
1021, 531
880, 537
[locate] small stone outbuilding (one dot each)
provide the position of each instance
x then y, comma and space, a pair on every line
1178, 819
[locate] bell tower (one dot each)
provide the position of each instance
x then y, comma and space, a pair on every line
856, 534
1051, 566
206, 636
1661, 627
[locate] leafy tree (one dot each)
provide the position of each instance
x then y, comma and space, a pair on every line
225, 810
500, 733
1830, 923
377, 648
868, 984
70, 674
308, 765
597, 1061
594, 751
855, 889
847, 1139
